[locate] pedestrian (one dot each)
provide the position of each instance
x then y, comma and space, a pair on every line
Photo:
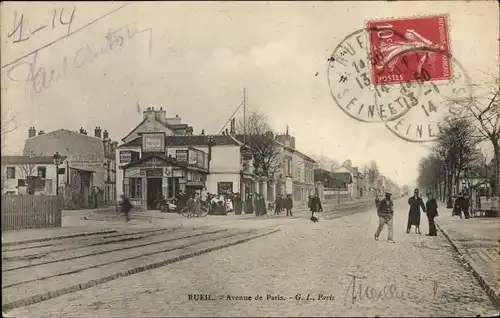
431, 207
385, 213
415, 202
315, 207
309, 201
277, 205
249, 207
237, 204
462, 204
256, 204
126, 207
289, 205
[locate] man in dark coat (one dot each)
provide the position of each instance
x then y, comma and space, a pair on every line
249, 205
462, 204
431, 207
277, 205
315, 206
415, 202
237, 204
126, 207
289, 205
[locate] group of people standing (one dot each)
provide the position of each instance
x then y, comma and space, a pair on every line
385, 211
461, 205
281, 204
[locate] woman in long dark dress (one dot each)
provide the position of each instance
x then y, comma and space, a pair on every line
415, 203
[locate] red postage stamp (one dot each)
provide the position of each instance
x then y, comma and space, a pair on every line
409, 50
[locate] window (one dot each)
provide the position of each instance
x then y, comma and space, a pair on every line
135, 188
42, 172
11, 172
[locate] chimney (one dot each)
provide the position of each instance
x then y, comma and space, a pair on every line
287, 130
203, 132
41, 132
161, 115
31, 132
82, 131
105, 134
227, 131
233, 130
97, 132
149, 113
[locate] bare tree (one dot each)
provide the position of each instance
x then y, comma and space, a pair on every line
457, 146
8, 124
259, 136
484, 111
429, 176
25, 171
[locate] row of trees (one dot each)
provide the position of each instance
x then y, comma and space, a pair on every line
472, 121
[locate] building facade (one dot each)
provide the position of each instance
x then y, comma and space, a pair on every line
90, 167
31, 175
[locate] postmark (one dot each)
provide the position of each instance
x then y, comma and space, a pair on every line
426, 112
410, 49
351, 82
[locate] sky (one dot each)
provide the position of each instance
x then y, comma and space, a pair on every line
195, 58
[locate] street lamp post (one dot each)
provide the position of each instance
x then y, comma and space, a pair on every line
57, 161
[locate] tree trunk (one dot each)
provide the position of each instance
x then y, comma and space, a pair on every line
496, 154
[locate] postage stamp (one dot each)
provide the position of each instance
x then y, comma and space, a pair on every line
408, 50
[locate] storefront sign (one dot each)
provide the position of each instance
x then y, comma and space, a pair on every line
171, 153
153, 142
125, 156
154, 172
182, 155
132, 173
199, 184
178, 174
224, 188
193, 157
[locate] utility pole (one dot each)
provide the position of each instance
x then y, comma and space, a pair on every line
244, 116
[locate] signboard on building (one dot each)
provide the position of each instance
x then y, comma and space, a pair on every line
153, 142
157, 172
177, 174
288, 185
224, 188
193, 157
172, 153
182, 155
125, 156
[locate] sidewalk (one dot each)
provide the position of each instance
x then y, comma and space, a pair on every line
476, 241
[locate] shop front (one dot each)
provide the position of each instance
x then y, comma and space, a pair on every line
150, 179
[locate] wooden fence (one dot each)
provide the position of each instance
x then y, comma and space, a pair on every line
30, 212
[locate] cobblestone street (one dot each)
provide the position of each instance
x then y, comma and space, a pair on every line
338, 258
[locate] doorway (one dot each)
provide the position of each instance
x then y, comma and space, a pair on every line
155, 193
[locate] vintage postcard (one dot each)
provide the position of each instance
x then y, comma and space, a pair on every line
250, 159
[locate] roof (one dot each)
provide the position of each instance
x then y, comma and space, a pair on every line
343, 176
24, 160
173, 128
241, 138
71, 144
188, 140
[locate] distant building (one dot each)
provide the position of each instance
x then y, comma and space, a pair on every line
30, 175
294, 175
89, 175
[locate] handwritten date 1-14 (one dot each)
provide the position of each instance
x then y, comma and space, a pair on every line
22, 30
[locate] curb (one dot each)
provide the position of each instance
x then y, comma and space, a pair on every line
44, 239
492, 293
59, 292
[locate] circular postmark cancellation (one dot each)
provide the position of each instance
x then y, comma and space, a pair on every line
385, 72
351, 80
419, 74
